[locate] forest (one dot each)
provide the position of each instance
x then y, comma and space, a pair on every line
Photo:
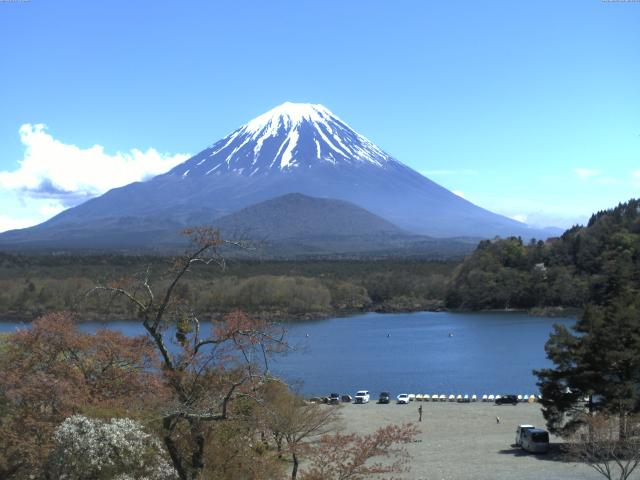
33, 285
564, 272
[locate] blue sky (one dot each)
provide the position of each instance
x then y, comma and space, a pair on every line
529, 109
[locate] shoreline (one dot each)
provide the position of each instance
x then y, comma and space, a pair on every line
559, 312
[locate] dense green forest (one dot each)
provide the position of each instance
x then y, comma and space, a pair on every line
32, 285
561, 272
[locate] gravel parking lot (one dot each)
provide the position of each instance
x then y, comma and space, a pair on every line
464, 441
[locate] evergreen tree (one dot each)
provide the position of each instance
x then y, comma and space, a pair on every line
600, 362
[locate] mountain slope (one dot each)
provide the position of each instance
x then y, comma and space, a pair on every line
293, 148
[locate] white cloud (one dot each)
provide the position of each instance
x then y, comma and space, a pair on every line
587, 172
459, 193
49, 208
67, 175
520, 217
9, 223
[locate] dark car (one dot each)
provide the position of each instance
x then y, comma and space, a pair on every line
385, 397
334, 399
505, 399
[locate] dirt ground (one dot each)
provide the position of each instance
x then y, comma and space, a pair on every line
464, 441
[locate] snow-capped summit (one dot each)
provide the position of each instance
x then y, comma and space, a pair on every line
289, 136
290, 114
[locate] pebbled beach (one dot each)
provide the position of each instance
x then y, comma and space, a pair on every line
464, 441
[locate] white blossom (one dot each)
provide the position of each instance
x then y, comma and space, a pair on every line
119, 449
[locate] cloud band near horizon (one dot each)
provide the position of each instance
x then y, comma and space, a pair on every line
53, 175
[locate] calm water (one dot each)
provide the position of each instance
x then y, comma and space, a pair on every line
412, 353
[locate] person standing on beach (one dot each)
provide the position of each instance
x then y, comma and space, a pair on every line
420, 413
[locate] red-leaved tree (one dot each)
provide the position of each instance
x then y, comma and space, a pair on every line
358, 457
51, 371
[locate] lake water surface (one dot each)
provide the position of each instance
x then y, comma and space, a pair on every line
425, 352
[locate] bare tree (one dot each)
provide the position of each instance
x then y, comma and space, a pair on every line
599, 444
294, 421
204, 369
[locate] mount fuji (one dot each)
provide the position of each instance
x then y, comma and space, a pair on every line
293, 148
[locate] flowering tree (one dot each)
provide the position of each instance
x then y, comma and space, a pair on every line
119, 449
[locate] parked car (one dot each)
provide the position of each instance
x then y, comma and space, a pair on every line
334, 399
403, 398
346, 398
385, 397
502, 399
535, 440
362, 396
520, 431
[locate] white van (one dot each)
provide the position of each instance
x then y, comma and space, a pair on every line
519, 431
535, 440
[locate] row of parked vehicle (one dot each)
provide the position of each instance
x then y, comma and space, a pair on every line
363, 396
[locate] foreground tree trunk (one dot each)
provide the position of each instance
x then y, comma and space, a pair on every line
296, 463
209, 370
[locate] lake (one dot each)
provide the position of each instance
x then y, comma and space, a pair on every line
424, 352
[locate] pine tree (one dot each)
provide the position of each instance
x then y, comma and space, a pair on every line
600, 362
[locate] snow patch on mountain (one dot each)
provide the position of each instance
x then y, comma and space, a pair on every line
287, 137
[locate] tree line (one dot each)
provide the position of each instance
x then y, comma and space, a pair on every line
570, 271
34, 285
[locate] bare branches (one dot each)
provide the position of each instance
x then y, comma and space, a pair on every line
608, 444
352, 457
204, 373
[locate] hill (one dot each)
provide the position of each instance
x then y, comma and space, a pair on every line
300, 216
586, 264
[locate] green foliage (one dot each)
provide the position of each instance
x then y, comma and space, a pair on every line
33, 285
587, 264
600, 361
601, 358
